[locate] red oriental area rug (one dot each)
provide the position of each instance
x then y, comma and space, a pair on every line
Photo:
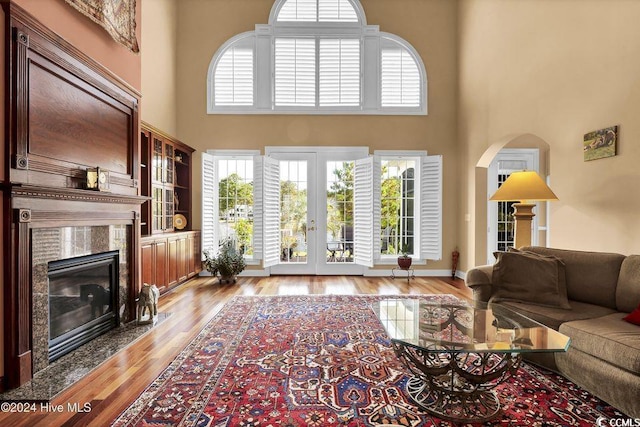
323, 361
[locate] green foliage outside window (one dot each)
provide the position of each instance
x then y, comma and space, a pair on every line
233, 191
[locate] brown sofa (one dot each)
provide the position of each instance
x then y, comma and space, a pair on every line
604, 353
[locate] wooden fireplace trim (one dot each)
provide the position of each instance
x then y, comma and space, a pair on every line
45, 168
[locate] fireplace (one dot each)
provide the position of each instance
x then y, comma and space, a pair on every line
81, 286
83, 297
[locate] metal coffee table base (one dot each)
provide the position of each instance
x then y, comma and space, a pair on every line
448, 405
457, 386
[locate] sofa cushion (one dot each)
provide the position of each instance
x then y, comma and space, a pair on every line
553, 317
592, 277
608, 338
530, 278
628, 290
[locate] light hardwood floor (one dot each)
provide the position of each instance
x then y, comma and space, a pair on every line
111, 387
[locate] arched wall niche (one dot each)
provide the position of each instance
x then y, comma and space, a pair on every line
525, 140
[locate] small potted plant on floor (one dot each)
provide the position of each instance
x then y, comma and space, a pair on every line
404, 260
228, 263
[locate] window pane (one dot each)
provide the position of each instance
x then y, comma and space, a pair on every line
293, 211
234, 77
505, 220
339, 72
397, 206
400, 78
340, 204
295, 72
235, 203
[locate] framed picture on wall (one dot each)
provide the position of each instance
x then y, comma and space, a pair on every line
600, 143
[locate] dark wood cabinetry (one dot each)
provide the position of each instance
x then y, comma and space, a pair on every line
154, 262
170, 249
170, 259
166, 172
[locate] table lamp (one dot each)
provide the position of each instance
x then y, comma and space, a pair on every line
524, 187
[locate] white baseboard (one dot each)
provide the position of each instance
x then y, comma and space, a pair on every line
245, 273
417, 273
368, 273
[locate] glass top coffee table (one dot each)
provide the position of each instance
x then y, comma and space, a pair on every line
458, 353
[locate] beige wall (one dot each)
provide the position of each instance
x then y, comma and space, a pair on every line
88, 36
429, 25
159, 37
556, 69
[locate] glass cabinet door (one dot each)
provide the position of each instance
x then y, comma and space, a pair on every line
168, 208
162, 173
169, 167
157, 161
157, 208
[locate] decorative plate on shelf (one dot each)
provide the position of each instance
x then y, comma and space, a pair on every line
179, 221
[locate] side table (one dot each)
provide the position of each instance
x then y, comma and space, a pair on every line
409, 271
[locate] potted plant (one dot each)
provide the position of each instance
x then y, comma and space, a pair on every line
227, 263
404, 260
289, 243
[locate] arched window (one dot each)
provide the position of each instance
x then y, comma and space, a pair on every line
234, 73
316, 57
316, 11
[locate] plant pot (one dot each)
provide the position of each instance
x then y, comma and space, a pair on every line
404, 262
227, 279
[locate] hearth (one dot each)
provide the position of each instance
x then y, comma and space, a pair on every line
83, 300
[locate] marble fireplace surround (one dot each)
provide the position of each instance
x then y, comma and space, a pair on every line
58, 243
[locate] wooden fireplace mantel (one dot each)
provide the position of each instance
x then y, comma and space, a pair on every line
74, 195
65, 114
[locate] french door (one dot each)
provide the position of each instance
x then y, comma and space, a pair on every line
317, 210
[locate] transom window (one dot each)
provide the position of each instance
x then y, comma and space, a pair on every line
316, 57
317, 11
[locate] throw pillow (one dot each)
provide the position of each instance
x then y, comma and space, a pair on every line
633, 317
531, 278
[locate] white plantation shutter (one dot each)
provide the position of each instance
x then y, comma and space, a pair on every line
317, 10
336, 11
295, 72
400, 81
258, 204
234, 75
339, 72
299, 11
209, 211
363, 229
377, 207
431, 207
271, 211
